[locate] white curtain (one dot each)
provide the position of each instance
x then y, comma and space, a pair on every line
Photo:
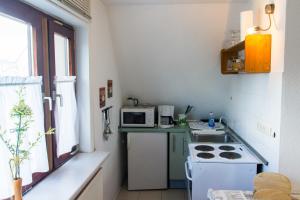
38, 158
66, 115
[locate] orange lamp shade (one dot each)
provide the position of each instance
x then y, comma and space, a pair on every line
258, 53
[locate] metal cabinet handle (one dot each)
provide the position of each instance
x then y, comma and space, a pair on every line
174, 143
49, 99
183, 144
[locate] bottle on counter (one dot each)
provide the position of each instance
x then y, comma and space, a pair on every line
211, 120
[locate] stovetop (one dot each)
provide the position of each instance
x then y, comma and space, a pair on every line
222, 153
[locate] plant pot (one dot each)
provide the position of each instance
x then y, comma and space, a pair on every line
17, 187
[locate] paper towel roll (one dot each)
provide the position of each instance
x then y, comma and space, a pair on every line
246, 22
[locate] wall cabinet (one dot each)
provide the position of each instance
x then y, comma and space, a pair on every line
255, 50
94, 189
178, 152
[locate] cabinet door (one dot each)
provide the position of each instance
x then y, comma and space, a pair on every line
94, 190
147, 161
177, 155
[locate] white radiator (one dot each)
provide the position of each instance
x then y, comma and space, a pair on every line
94, 189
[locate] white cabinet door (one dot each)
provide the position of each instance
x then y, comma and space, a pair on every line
147, 161
94, 190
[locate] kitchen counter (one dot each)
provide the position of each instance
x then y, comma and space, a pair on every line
186, 130
175, 129
179, 138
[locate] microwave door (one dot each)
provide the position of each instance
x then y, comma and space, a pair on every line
134, 118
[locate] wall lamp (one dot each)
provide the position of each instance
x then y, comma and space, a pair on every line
269, 10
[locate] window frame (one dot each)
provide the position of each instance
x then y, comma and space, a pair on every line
43, 62
56, 26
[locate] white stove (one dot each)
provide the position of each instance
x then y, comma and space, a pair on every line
219, 167
220, 153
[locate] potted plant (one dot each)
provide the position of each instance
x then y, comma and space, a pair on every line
21, 115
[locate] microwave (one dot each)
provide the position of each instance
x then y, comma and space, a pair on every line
140, 116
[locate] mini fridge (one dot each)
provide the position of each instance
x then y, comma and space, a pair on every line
147, 161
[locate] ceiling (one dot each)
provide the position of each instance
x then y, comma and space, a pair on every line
124, 2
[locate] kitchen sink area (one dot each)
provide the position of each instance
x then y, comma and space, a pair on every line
222, 138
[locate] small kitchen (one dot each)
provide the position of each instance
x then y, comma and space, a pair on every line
197, 155
215, 147
163, 99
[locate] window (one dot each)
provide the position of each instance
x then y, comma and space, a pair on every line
61, 55
38, 49
62, 72
16, 47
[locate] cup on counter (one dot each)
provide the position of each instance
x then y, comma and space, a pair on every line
182, 120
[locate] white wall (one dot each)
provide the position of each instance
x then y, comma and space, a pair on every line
256, 98
170, 53
103, 67
290, 136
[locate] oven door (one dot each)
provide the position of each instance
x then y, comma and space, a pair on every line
134, 119
188, 173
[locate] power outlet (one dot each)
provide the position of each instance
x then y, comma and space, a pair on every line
264, 129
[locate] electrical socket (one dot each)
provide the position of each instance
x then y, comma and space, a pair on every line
265, 129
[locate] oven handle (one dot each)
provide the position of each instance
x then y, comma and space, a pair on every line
187, 171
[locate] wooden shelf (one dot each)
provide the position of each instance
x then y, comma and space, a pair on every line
238, 47
257, 49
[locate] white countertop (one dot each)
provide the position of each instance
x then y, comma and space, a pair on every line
67, 181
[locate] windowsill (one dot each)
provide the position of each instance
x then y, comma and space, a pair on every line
69, 180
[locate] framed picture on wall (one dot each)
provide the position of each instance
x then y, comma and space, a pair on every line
109, 88
102, 97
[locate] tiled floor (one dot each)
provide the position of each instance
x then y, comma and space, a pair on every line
171, 194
